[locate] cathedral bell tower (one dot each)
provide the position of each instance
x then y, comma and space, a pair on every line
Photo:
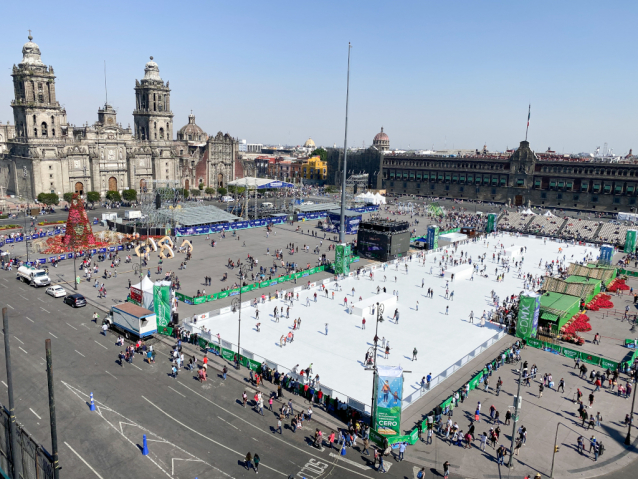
38, 115
152, 115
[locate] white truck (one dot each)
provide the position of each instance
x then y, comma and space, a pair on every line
132, 214
132, 320
109, 216
34, 277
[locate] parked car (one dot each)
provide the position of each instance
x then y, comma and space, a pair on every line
75, 300
56, 291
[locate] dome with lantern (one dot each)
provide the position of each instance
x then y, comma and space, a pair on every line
381, 141
192, 132
309, 143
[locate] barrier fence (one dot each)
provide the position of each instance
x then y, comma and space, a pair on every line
37, 463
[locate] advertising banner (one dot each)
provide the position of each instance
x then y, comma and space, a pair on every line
528, 311
199, 299
491, 222
433, 237
386, 416
342, 253
630, 241
136, 296
162, 305
606, 253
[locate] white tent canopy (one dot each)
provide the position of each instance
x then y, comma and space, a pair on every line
548, 213
146, 286
528, 212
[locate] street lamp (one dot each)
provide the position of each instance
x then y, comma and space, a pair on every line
517, 401
26, 241
631, 416
380, 310
236, 306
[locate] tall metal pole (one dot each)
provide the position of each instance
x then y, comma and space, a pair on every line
631, 416
551, 473
26, 242
342, 227
54, 427
16, 458
75, 274
380, 310
518, 395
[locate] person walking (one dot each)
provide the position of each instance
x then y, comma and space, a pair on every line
540, 390
561, 385
363, 323
249, 461
256, 460
414, 352
446, 470
278, 423
326, 329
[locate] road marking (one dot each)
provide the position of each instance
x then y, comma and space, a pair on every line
206, 437
176, 392
110, 374
5, 279
348, 461
72, 326
82, 459
34, 413
10, 306
30, 319
41, 300
82, 324
24, 297
21, 288
18, 340
3, 285
22, 350
227, 422
136, 366
100, 344
53, 335
80, 353
42, 310
305, 451
5, 384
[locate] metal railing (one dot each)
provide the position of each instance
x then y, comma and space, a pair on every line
37, 463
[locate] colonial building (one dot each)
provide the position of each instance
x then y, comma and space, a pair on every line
521, 177
381, 141
44, 153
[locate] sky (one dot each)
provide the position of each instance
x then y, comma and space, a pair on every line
437, 75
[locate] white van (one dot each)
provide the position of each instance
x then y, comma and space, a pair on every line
227, 199
266, 204
34, 277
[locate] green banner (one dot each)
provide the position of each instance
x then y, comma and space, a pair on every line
528, 311
282, 279
554, 347
228, 355
162, 305
630, 241
264, 284
342, 253
245, 289
222, 294
589, 358
180, 296
535, 343
570, 353
607, 364
211, 297
199, 299
166, 331
491, 222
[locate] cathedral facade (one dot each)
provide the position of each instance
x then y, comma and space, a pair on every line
43, 153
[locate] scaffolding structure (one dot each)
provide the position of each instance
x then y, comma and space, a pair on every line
356, 183
170, 196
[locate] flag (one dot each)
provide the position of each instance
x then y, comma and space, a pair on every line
529, 112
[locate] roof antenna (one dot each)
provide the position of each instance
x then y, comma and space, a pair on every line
105, 89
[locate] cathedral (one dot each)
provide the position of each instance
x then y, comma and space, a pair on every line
42, 152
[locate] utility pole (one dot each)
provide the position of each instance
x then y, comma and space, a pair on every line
633, 402
342, 227
16, 457
54, 428
517, 401
380, 310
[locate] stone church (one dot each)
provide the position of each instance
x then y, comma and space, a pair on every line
42, 152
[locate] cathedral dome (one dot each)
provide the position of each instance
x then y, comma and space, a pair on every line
309, 143
381, 141
191, 132
151, 71
31, 53
381, 136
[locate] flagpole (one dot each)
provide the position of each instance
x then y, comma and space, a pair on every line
529, 110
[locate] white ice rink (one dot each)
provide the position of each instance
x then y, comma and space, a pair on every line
441, 340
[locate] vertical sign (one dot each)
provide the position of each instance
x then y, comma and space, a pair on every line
136, 296
342, 254
606, 253
528, 311
386, 416
162, 305
491, 223
630, 241
433, 237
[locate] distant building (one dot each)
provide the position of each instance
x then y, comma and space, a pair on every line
314, 169
381, 141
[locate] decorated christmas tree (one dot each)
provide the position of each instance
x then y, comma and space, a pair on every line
79, 235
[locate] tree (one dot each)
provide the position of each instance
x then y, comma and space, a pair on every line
195, 192
222, 191
113, 196
129, 195
92, 197
209, 191
321, 153
67, 197
185, 193
48, 198
200, 186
